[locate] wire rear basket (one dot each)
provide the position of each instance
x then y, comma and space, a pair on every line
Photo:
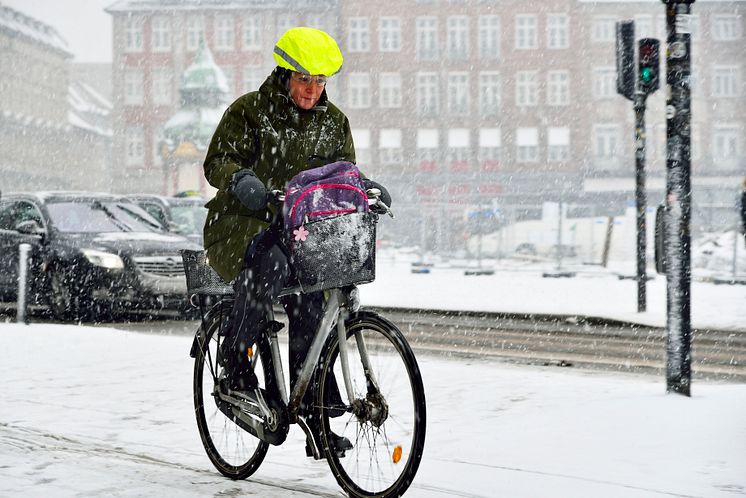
201, 278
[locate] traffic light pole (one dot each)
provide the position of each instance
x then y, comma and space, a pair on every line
678, 197
640, 199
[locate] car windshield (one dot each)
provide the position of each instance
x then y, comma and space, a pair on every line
92, 216
188, 218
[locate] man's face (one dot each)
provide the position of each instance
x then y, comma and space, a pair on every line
306, 90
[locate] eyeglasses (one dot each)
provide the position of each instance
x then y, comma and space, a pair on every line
307, 79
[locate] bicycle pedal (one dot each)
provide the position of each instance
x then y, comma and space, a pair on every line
276, 326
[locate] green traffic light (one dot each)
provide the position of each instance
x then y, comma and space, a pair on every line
646, 74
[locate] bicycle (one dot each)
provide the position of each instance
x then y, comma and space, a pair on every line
384, 415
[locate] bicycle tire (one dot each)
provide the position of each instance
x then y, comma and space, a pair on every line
386, 452
234, 452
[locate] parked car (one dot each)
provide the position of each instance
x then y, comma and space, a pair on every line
90, 252
183, 214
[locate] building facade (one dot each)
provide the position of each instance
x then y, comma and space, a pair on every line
55, 131
458, 105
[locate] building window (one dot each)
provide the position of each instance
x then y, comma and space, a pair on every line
427, 38
224, 33
526, 88
390, 146
359, 90
558, 144
489, 93
558, 27
525, 32
603, 29
458, 149
558, 87
195, 32
726, 27
161, 31
527, 145
133, 35
604, 82
606, 145
162, 86
133, 91
490, 145
359, 34
252, 33
390, 92
427, 94
726, 81
389, 34
252, 78
457, 37
285, 22
726, 145
361, 139
488, 37
458, 93
319, 21
135, 146
428, 148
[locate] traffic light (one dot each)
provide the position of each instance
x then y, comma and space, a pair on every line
648, 64
625, 59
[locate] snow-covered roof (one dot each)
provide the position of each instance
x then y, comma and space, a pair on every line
27, 120
176, 5
23, 25
204, 74
88, 109
195, 125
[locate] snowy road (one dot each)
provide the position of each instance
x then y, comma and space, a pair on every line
99, 412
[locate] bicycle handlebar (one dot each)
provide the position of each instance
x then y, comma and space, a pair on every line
277, 197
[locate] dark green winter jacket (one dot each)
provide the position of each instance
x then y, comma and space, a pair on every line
266, 132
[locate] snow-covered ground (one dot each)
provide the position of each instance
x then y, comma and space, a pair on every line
101, 412
520, 287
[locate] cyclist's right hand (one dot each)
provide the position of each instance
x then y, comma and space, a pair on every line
249, 189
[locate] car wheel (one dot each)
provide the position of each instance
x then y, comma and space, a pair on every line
66, 301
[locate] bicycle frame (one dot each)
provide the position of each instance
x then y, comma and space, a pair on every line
335, 310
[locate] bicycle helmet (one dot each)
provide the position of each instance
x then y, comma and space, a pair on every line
308, 51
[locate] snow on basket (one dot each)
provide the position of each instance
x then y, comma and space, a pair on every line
334, 252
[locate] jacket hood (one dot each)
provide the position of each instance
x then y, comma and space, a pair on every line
275, 88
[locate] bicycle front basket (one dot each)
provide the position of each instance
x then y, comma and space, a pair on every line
200, 277
334, 252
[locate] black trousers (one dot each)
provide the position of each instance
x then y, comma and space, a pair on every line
265, 273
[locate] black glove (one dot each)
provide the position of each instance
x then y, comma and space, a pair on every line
385, 196
249, 189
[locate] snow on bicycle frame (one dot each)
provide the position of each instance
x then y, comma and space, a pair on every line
329, 229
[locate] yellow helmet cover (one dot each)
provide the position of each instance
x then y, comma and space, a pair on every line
308, 51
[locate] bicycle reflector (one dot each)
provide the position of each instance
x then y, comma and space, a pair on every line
396, 457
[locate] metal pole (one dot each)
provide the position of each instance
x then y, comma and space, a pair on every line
559, 233
23, 261
640, 199
678, 197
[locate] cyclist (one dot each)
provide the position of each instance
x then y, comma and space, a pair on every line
263, 140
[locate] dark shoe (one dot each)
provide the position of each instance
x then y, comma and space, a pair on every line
338, 444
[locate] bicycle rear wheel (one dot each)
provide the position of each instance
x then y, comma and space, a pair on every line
386, 419
233, 451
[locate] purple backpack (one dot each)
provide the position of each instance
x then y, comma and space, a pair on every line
330, 230
328, 191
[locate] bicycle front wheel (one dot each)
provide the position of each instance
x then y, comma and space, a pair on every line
233, 451
385, 421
